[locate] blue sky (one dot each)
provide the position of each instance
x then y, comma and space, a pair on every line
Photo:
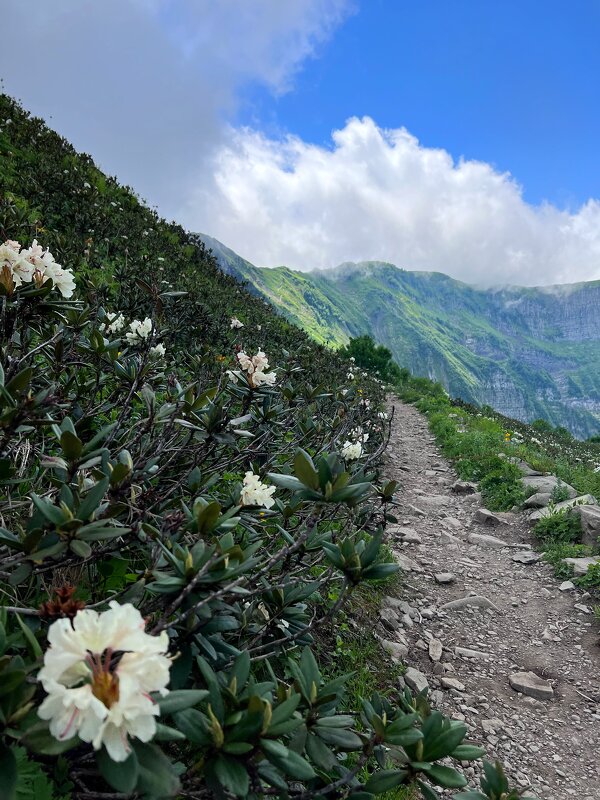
459, 136
514, 83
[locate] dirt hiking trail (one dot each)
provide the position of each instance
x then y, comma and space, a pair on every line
512, 619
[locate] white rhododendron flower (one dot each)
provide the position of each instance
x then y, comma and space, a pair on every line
138, 330
255, 367
358, 435
236, 323
256, 493
158, 350
352, 450
98, 673
115, 322
19, 266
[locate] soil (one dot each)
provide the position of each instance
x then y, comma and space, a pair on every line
552, 747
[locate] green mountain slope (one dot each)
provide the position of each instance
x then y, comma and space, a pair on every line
528, 352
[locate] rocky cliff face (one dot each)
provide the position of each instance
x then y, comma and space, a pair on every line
527, 352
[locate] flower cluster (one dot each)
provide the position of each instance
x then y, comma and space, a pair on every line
19, 265
138, 330
115, 322
98, 673
158, 350
351, 451
255, 368
353, 447
236, 323
256, 493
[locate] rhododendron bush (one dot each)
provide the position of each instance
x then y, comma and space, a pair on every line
185, 508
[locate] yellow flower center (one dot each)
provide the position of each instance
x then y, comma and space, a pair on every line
105, 682
105, 687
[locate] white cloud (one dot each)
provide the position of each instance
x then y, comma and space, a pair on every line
144, 85
378, 194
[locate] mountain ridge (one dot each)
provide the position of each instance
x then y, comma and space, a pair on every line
528, 352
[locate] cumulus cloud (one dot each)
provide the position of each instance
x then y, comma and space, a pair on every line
378, 194
145, 85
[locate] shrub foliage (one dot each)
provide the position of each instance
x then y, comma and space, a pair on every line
144, 464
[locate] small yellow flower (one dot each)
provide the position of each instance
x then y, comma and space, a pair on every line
507, 436
221, 358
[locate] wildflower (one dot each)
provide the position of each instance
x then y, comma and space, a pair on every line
98, 673
138, 331
158, 350
358, 435
351, 451
45, 267
115, 322
256, 493
235, 323
350, 376
382, 415
19, 266
255, 367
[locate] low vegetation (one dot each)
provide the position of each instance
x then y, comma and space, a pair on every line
192, 503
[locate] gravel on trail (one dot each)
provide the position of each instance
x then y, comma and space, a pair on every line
483, 623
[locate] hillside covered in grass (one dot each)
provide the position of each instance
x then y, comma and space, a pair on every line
191, 492
527, 352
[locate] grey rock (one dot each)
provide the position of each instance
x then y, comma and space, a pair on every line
433, 500
566, 586
406, 563
463, 487
590, 524
452, 522
485, 540
415, 679
435, 649
527, 557
444, 577
410, 536
547, 483
389, 618
467, 652
532, 685
581, 565
581, 500
525, 468
488, 517
452, 683
472, 601
397, 651
538, 500
452, 542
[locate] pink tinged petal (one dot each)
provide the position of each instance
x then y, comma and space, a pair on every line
115, 742
69, 729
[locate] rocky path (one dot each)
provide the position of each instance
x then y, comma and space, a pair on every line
517, 620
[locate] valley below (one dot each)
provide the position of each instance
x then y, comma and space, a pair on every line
528, 352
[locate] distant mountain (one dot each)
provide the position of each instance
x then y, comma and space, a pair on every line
528, 352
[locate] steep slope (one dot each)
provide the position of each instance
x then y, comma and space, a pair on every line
528, 352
